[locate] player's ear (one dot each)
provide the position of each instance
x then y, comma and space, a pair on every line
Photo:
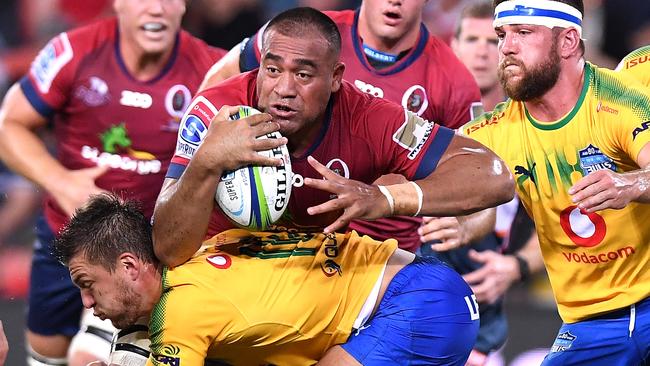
337, 77
129, 264
569, 42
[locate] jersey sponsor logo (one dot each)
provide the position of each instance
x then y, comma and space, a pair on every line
485, 122
94, 93
522, 174
604, 108
220, 261
644, 127
136, 99
636, 61
599, 258
592, 159
115, 143
331, 250
585, 229
472, 305
415, 99
168, 356
413, 134
369, 89
52, 58
177, 100
563, 342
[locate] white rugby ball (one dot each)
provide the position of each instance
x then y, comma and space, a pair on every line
254, 197
130, 347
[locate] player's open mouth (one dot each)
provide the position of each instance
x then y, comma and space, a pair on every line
282, 111
391, 17
153, 27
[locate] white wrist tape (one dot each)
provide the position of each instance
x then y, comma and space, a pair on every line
418, 190
389, 197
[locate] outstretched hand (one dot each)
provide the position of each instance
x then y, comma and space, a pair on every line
604, 189
356, 199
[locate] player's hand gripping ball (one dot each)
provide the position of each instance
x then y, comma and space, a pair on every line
254, 197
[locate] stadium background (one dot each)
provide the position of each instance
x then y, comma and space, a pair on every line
612, 29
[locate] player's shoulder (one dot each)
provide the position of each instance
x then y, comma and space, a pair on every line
198, 50
635, 58
618, 88
439, 53
490, 120
237, 90
86, 38
341, 17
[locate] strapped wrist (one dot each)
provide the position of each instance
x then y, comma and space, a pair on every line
524, 269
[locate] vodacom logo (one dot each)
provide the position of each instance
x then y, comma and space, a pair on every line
585, 229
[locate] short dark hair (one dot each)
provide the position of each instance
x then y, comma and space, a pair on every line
297, 21
578, 4
479, 10
103, 229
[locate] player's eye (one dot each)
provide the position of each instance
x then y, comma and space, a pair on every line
303, 76
272, 70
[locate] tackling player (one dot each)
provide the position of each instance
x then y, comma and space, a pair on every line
231, 305
115, 92
576, 138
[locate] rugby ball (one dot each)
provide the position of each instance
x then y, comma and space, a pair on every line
254, 197
130, 347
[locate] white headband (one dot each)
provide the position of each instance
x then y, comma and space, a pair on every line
538, 12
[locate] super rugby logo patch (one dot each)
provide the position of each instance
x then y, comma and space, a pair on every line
563, 342
194, 127
592, 159
52, 58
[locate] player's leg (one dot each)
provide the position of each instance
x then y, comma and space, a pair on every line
54, 304
428, 316
92, 342
614, 339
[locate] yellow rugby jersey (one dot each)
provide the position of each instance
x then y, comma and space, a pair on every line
596, 262
637, 65
264, 298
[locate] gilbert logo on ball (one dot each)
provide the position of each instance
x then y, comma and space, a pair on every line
254, 197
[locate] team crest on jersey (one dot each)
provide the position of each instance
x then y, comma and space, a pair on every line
52, 58
118, 154
415, 99
563, 342
94, 93
592, 159
177, 100
413, 134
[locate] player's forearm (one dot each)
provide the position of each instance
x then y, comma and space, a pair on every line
532, 254
25, 153
182, 215
477, 225
640, 184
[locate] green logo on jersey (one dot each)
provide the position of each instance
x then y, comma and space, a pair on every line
116, 138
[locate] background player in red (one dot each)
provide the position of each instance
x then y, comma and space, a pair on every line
115, 92
389, 53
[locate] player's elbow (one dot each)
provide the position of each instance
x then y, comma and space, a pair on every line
502, 184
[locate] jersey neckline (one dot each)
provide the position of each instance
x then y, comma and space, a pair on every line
566, 119
163, 71
401, 64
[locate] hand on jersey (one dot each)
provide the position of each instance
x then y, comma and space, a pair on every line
493, 279
73, 190
604, 189
356, 199
230, 145
446, 231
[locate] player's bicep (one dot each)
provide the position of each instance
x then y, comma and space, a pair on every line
17, 110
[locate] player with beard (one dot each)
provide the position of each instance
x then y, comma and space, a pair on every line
637, 64
114, 92
576, 138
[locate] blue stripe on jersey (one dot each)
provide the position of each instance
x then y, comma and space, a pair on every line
432, 156
248, 59
35, 99
175, 170
536, 12
400, 64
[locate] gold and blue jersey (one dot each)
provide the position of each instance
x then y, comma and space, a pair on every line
637, 65
597, 262
265, 298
